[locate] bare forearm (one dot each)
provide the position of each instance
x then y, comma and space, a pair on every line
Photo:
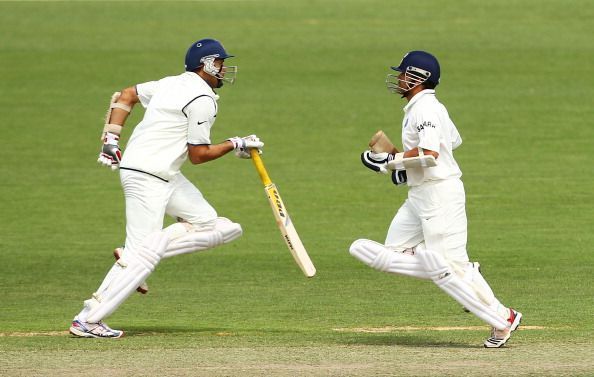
128, 98
199, 154
118, 116
415, 152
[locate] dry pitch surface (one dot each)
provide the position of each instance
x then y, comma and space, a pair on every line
519, 358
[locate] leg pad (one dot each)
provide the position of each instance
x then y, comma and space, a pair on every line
224, 231
460, 290
126, 274
379, 257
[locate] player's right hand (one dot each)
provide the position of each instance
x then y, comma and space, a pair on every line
110, 154
242, 145
399, 177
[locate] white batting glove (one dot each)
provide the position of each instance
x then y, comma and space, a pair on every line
378, 162
110, 154
242, 145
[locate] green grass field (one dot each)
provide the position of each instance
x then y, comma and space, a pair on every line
517, 78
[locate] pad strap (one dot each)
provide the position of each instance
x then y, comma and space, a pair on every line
113, 128
116, 105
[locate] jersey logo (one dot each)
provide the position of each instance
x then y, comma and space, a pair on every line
199, 123
424, 125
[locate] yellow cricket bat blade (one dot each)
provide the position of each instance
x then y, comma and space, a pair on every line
288, 231
283, 220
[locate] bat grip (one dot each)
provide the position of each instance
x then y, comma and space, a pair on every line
259, 164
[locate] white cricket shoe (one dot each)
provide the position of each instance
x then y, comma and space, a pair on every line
93, 330
499, 337
143, 287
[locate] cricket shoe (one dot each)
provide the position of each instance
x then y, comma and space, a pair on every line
93, 330
499, 337
143, 287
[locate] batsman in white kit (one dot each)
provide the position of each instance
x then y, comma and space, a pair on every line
180, 111
427, 237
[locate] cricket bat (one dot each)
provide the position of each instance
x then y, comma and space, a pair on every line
381, 143
283, 220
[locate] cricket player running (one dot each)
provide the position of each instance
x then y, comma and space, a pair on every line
180, 111
427, 237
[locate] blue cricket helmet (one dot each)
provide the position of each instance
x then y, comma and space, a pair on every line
202, 49
421, 64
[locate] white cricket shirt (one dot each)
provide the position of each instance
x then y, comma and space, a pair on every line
427, 124
180, 110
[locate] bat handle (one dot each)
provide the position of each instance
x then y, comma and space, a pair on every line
259, 164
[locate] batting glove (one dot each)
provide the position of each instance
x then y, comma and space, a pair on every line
242, 145
377, 162
110, 155
399, 177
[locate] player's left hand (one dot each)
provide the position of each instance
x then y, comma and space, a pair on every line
110, 154
378, 162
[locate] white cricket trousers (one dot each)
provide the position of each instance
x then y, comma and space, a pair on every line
148, 199
434, 213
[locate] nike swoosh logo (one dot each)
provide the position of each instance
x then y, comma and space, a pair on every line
199, 123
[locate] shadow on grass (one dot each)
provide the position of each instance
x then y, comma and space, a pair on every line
252, 331
294, 337
402, 340
174, 330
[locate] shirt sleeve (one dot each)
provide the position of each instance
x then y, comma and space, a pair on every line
429, 129
456, 138
145, 91
201, 113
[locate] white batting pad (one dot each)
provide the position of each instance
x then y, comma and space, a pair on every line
472, 276
383, 259
132, 269
224, 231
446, 279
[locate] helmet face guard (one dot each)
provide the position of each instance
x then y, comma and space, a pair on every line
413, 77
